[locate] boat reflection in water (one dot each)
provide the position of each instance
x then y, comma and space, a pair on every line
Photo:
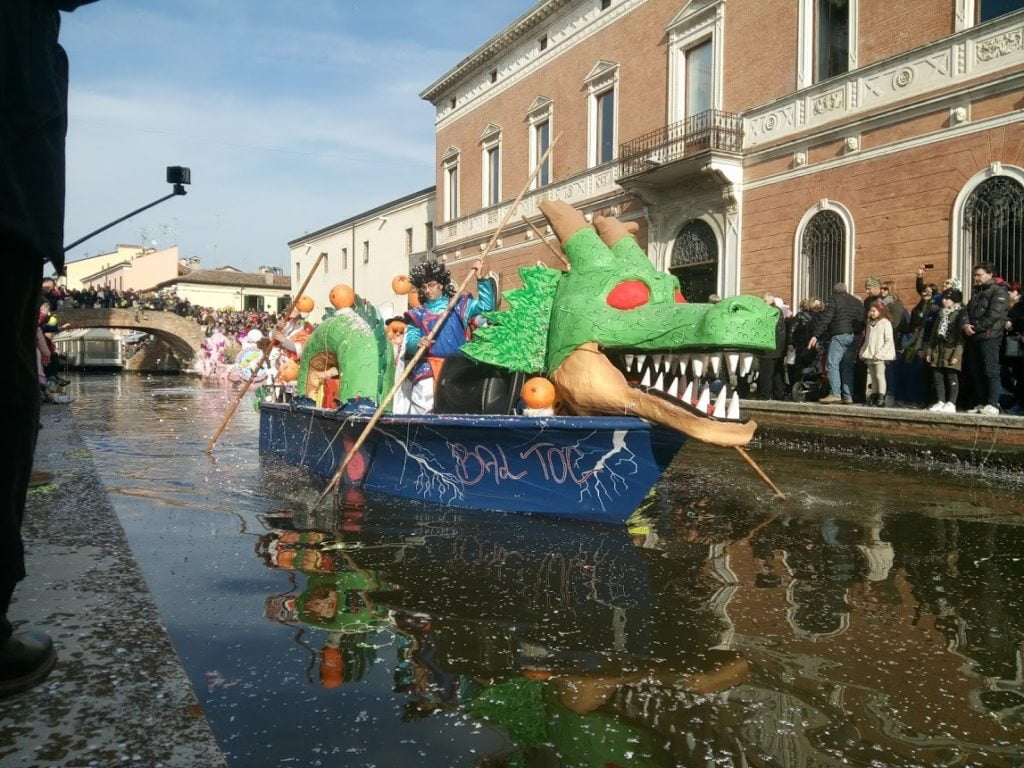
736, 638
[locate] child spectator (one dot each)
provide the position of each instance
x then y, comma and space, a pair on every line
945, 352
878, 349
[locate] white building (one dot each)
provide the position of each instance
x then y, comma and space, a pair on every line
229, 288
367, 250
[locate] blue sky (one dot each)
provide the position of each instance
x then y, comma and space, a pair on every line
291, 115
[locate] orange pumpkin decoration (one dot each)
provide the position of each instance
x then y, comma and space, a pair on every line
342, 296
289, 371
332, 667
538, 392
304, 304
536, 674
401, 285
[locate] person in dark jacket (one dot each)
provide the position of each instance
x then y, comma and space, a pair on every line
843, 319
771, 379
983, 322
33, 121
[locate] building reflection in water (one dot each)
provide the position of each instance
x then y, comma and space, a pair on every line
772, 640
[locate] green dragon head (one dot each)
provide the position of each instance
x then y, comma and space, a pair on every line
613, 316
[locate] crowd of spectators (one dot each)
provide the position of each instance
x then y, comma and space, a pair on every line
948, 350
232, 323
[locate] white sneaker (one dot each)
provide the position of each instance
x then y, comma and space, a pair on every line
989, 410
976, 409
939, 407
949, 407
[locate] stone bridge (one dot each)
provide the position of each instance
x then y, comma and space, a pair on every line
184, 335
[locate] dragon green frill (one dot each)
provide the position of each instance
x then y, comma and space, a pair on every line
354, 341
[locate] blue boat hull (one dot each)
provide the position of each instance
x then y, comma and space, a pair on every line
592, 468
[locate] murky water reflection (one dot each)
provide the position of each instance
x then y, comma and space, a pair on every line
874, 618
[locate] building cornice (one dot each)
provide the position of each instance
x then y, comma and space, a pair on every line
506, 37
570, 24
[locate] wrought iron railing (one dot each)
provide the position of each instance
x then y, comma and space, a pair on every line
713, 129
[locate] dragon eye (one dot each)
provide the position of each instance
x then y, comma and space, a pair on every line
629, 294
680, 299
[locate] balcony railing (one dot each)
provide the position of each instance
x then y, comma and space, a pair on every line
711, 130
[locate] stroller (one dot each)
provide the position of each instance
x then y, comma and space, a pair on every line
811, 383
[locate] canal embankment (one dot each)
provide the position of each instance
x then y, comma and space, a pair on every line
967, 440
119, 694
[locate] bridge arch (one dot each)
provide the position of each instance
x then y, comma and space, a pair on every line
183, 334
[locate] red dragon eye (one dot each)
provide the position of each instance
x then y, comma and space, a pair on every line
629, 294
680, 299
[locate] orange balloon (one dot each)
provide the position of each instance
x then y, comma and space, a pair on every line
304, 304
538, 392
342, 296
289, 371
401, 285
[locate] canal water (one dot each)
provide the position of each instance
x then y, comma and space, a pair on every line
875, 617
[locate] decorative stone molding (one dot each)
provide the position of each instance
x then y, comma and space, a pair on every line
799, 159
995, 47
851, 144
1000, 45
958, 115
595, 183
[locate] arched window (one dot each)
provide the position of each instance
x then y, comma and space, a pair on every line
993, 226
823, 250
695, 260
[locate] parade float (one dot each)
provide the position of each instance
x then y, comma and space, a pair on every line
630, 366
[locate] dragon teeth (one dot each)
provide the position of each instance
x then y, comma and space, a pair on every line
716, 364
646, 380
746, 363
720, 403
658, 360
732, 360
630, 359
734, 407
673, 388
697, 364
641, 361
688, 394
705, 399
659, 383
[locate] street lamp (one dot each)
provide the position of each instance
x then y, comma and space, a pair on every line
178, 176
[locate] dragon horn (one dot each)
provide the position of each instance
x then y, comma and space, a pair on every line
565, 220
612, 230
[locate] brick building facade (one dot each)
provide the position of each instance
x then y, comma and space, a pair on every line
760, 144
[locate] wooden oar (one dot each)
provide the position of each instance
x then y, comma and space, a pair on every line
266, 355
336, 479
760, 472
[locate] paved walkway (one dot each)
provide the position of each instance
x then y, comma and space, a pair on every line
119, 695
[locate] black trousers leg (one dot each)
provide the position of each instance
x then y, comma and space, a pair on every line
21, 396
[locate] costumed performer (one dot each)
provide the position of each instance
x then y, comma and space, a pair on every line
402, 401
290, 339
248, 359
433, 281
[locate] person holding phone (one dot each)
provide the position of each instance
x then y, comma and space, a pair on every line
983, 323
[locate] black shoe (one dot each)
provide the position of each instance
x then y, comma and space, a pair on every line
26, 658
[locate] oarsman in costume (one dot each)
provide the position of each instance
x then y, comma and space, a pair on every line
434, 283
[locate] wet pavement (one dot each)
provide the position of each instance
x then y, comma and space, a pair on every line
873, 618
118, 695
